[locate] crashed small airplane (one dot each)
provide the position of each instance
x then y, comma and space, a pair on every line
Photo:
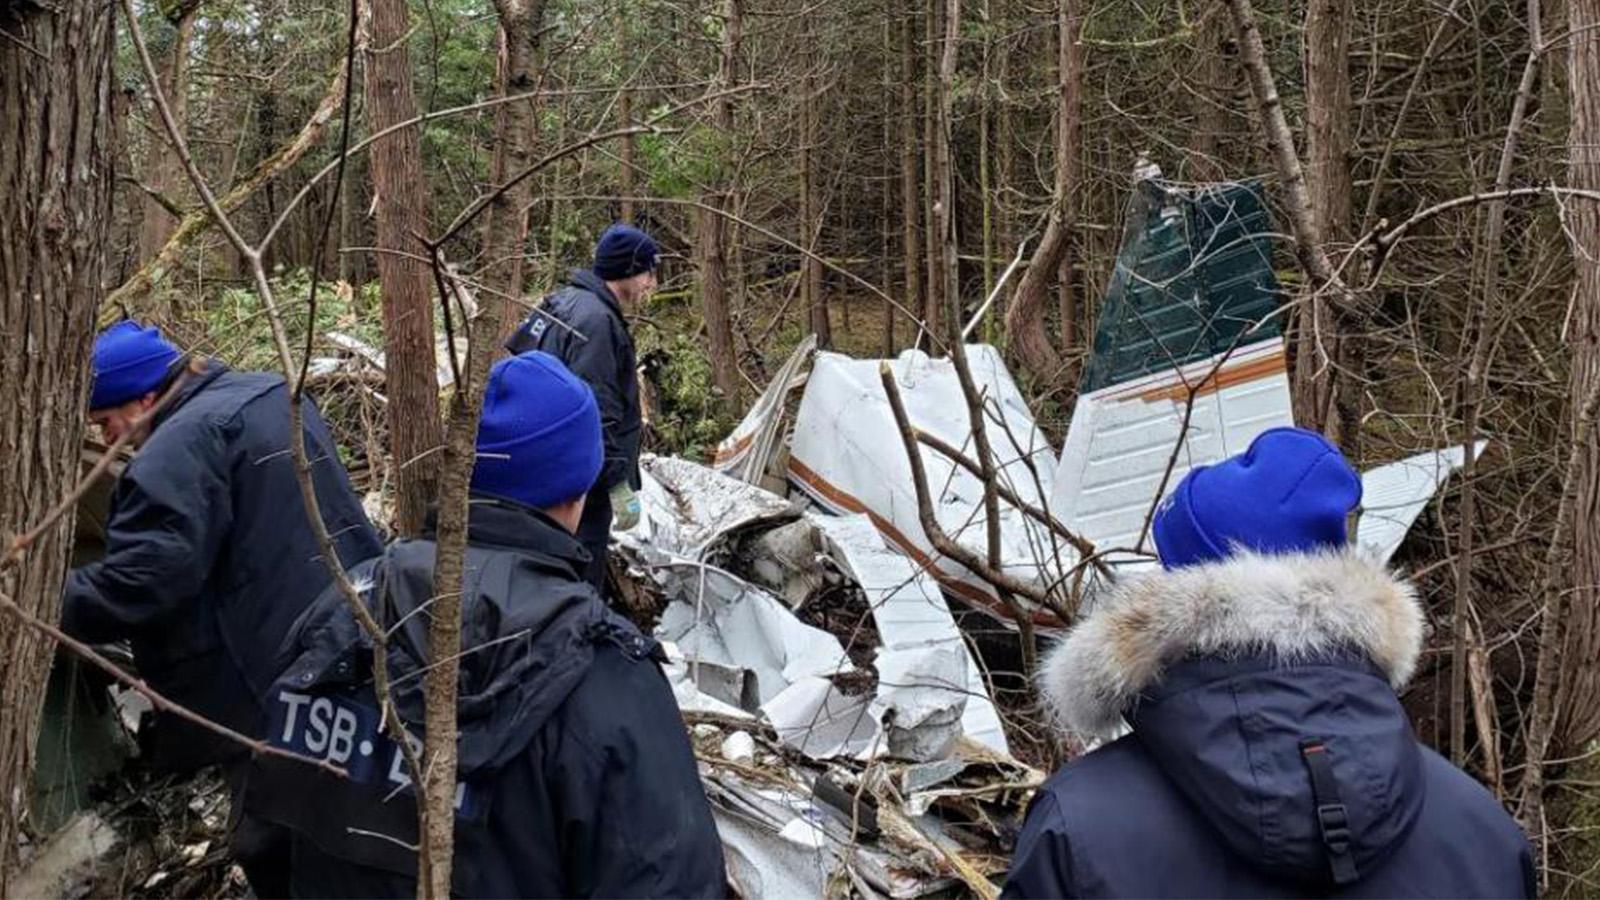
1188, 366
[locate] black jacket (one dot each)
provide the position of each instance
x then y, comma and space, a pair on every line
1269, 755
582, 325
576, 774
209, 557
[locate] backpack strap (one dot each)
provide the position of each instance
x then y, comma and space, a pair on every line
1333, 819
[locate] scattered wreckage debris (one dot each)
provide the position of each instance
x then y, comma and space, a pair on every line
846, 735
147, 836
837, 454
795, 827
1188, 367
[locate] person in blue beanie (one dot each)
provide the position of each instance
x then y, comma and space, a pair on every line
585, 325
1268, 755
209, 556
575, 771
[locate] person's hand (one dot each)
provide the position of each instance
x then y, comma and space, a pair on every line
624, 507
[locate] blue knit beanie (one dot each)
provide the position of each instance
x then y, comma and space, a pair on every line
1289, 493
539, 438
623, 252
129, 362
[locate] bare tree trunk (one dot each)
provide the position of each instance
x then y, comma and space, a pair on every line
1479, 336
506, 233
711, 228
891, 54
56, 178
401, 191
985, 151
810, 211
1025, 318
516, 132
164, 173
1323, 363
352, 227
1069, 114
1579, 702
944, 171
933, 294
910, 172
1005, 162
1306, 224
629, 150
1213, 93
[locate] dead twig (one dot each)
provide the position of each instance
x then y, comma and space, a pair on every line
937, 536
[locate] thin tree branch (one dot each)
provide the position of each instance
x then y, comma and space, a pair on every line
941, 541
954, 454
156, 698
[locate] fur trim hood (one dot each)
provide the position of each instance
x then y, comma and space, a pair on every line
1292, 607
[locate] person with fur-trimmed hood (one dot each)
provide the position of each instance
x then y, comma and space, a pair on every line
1269, 754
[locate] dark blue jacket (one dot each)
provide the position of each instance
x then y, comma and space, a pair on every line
209, 557
576, 774
1269, 755
582, 325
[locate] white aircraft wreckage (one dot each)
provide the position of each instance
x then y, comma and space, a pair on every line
1188, 366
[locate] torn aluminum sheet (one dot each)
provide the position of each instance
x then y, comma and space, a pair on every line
686, 507
727, 691
914, 621
816, 718
781, 843
375, 357
930, 688
745, 453
1392, 496
972, 773
723, 624
845, 455
722, 619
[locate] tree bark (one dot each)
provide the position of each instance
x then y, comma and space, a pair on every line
1214, 91
886, 227
933, 281
56, 178
401, 191
985, 151
711, 229
1069, 115
1025, 318
516, 133
1323, 359
910, 170
163, 171
1337, 417
944, 172
1479, 336
1580, 695
506, 233
810, 211
628, 153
